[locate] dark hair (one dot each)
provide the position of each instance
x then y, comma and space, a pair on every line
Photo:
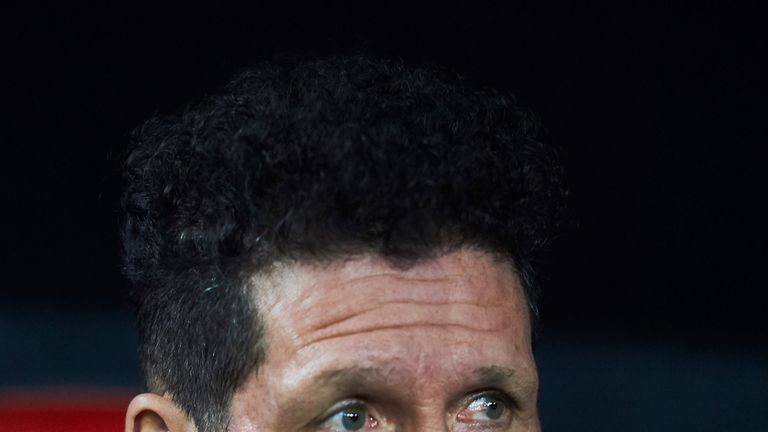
314, 161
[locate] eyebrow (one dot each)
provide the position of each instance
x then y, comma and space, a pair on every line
327, 386
355, 376
350, 377
494, 375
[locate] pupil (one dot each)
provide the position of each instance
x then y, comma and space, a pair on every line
352, 419
492, 409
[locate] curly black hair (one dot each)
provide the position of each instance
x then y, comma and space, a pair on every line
315, 160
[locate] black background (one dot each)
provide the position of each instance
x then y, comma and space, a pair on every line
659, 112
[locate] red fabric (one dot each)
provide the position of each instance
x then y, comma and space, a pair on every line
63, 410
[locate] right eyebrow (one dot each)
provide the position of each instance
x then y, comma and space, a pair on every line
323, 390
350, 378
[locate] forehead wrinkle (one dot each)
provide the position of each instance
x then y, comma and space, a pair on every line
387, 304
381, 289
304, 344
441, 289
304, 286
344, 315
307, 292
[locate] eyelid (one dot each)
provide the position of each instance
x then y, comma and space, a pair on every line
340, 406
510, 407
508, 400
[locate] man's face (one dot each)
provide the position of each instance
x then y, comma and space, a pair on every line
358, 345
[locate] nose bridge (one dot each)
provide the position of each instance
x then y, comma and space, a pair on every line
429, 391
430, 419
439, 426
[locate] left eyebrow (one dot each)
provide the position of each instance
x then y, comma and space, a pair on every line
495, 376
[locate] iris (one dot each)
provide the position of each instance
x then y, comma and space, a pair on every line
493, 407
353, 418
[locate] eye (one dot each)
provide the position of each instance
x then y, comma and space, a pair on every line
486, 408
350, 418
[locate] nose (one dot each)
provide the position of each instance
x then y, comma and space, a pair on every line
432, 424
435, 428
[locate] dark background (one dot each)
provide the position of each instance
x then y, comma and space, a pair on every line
653, 317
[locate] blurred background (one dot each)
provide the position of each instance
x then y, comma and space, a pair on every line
653, 313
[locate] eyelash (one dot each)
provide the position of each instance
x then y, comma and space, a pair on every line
508, 400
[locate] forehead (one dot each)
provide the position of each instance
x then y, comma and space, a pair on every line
461, 276
430, 327
303, 305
